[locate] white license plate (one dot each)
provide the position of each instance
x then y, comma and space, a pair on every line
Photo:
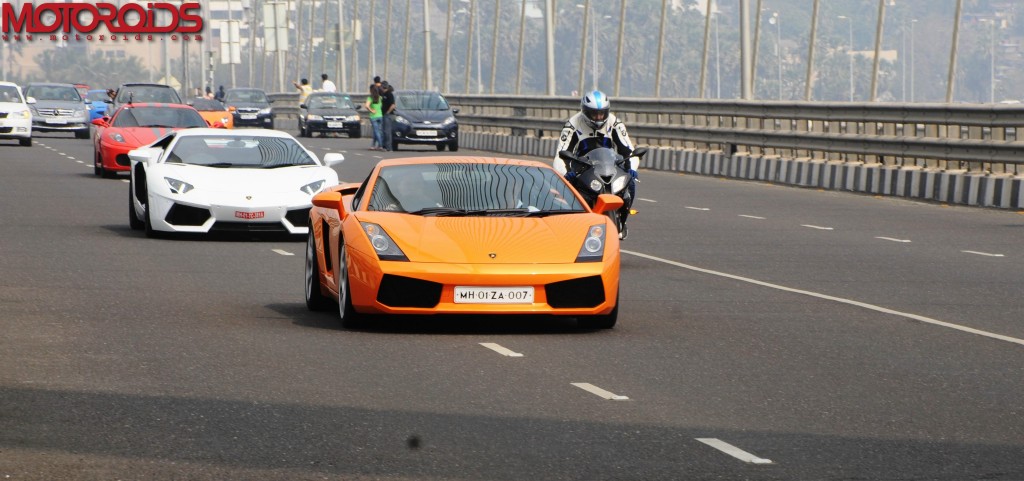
426, 133
248, 116
493, 295
57, 121
335, 125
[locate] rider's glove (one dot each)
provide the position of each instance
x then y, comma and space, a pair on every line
633, 174
570, 176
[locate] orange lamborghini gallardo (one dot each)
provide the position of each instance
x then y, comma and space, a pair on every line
460, 235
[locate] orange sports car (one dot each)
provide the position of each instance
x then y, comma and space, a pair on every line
463, 235
214, 113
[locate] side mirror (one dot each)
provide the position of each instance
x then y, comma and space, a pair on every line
146, 155
302, 106
333, 158
330, 200
231, 108
455, 111
567, 157
101, 122
30, 100
607, 203
639, 151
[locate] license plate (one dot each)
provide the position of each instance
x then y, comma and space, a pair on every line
57, 121
249, 215
335, 125
493, 295
426, 133
248, 116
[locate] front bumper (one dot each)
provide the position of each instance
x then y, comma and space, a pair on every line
246, 119
114, 157
427, 134
222, 212
347, 126
15, 128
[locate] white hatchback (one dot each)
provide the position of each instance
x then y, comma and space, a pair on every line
15, 116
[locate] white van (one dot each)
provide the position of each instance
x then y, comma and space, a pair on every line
15, 115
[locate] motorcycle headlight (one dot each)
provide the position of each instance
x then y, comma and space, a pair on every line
312, 187
402, 120
313, 117
386, 248
265, 111
595, 185
117, 137
448, 121
593, 245
619, 183
178, 186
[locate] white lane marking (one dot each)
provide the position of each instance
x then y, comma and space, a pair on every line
697, 208
816, 227
126, 181
71, 158
283, 252
827, 297
734, 451
982, 253
498, 348
598, 391
893, 239
62, 154
79, 161
377, 157
647, 200
752, 217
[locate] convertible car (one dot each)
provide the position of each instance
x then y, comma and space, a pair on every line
135, 125
216, 180
463, 235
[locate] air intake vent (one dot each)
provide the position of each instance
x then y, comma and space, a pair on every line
185, 215
398, 291
582, 292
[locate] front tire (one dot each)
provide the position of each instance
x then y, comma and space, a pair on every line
80, 134
133, 218
150, 232
453, 146
315, 299
601, 321
25, 142
347, 313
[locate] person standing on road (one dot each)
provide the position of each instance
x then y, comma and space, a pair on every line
387, 103
304, 90
373, 105
327, 85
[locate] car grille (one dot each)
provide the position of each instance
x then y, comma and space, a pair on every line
275, 227
55, 112
180, 214
334, 118
3, 115
5, 130
122, 160
398, 291
582, 292
298, 217
247, 110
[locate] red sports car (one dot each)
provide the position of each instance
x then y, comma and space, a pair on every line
133, 126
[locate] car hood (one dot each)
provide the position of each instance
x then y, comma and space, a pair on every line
248, 105
424, 116
555, 239
331, 111
249, 181
12, 107
59, 104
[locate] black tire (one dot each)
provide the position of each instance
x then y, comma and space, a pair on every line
97, 165
315, 299
25, 142
394, 146
347, 313
150, 232
355, 135
453, 146
601, 321
440, 147
133, 219
80, 134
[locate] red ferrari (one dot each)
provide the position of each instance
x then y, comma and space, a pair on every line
133, 126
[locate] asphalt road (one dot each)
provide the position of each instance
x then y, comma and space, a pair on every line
765, 333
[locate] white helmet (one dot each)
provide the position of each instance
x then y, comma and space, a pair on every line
595, 106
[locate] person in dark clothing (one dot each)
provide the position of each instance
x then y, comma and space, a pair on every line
220, 93
387, 101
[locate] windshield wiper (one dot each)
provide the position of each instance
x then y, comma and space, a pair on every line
442, 211
218, 164
161, 126
284, 165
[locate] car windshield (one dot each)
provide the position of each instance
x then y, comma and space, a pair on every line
329, 102
420, 101
249, 96
472, 189
171, 117
97, 96
207, 105
237, 151
147, 93
9, 93
54, 92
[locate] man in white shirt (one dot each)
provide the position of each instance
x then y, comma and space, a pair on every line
328, 86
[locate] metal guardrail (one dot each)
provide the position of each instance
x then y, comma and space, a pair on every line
946, 136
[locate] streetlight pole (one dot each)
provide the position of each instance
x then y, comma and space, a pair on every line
850, 52
992, 61
913, 58
778, 46
718, 67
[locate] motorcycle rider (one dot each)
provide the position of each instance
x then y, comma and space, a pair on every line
592, 127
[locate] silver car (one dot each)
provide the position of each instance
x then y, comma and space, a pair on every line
58, 108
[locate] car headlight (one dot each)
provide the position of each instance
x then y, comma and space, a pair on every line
178, 186
354, 118
225, 120
401, 120
313, 117
593, 245
117, 137
386, 248
619, 183
448, 121
595, 185
312, 187
79, 112
25, 114
265, 111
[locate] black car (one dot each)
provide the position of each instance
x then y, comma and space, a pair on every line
328, 112
252, 108
144, 92
424, 117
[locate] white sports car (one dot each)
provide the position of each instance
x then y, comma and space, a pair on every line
215, 180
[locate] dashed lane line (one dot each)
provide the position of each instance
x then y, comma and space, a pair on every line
906, 241
283, 252
752, 217
498, 348
599, 392
734, 451
647, 200
816, 227
987, 254
698, 208
907, 315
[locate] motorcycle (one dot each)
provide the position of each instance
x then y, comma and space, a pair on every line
603, 171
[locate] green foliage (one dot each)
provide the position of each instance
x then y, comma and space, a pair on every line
71, 65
